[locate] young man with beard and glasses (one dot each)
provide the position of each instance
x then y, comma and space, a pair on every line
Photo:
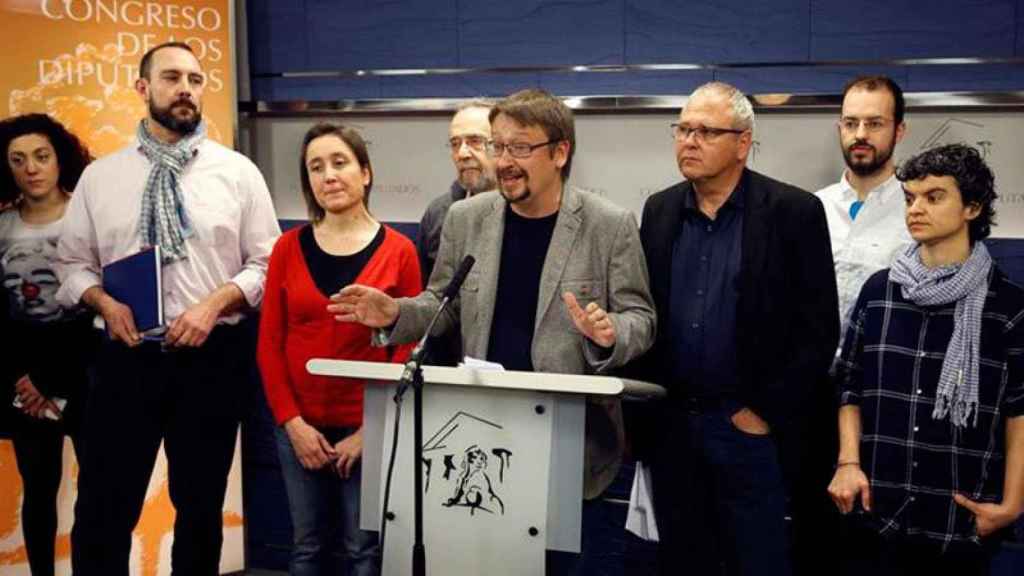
865, 208
742, 279
468, 134
209, 210
864, 211
931, 375
560, 283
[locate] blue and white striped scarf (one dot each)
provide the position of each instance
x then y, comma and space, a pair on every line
164, 220
967, 285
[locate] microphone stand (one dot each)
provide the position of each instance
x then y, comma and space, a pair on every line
413, 376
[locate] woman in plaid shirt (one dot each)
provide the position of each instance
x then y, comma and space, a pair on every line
931, 381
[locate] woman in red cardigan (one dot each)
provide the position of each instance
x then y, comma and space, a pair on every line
319, 434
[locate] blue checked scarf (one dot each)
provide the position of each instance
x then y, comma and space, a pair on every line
164, 220
967, 285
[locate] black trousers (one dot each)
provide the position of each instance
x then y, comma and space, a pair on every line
866, 553
39, 450
192, 400
56, 356
724, 500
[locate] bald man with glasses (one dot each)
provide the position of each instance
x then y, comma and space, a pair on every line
741, 274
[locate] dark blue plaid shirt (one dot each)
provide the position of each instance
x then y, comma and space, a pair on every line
890, 364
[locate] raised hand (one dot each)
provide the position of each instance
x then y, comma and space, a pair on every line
592, 321
364, 305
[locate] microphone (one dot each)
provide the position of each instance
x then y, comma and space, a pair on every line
419, 353
452, 289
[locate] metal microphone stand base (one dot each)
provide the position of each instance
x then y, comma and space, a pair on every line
419, 553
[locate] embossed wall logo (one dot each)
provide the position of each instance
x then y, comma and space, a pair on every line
755, 149
958, 130
474, 470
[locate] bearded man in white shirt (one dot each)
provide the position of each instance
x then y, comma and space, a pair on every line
209, 210
865, 208
864, 211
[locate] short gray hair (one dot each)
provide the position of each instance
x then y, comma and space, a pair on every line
742, 110
474, 103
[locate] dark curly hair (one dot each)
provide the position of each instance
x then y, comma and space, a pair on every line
973, 176
72, 155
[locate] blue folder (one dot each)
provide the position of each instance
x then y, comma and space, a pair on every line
135, 282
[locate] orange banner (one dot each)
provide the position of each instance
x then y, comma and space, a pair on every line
77, 60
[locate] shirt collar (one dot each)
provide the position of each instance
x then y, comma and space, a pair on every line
736, 200
887, 187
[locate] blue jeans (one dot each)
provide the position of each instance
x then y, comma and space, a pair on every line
729, 502
325, 516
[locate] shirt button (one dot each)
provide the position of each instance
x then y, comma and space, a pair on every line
916, 428
710, 228
700, 292
919, 391
703, 258
912, 498
915, 464
695, 325
922, 354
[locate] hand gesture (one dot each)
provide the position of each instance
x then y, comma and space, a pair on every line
364, 305
349, 450
120, 322
312, 449
592, 321
988, 518
193, 326
32, 402
746, 420
849, 481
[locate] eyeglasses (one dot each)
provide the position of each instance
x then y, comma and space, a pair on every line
700, 133
515, 149
474, 141
851, 124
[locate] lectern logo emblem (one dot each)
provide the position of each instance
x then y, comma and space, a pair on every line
474, 467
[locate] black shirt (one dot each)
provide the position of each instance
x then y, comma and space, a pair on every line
704, 294
524, 247
332, 273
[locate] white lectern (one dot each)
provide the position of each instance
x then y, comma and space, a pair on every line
503, 463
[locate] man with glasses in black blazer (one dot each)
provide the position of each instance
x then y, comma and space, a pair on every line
742, 278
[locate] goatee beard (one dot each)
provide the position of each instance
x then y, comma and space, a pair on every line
521, 198
168, 120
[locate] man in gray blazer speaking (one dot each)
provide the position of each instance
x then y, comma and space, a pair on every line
560, 281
